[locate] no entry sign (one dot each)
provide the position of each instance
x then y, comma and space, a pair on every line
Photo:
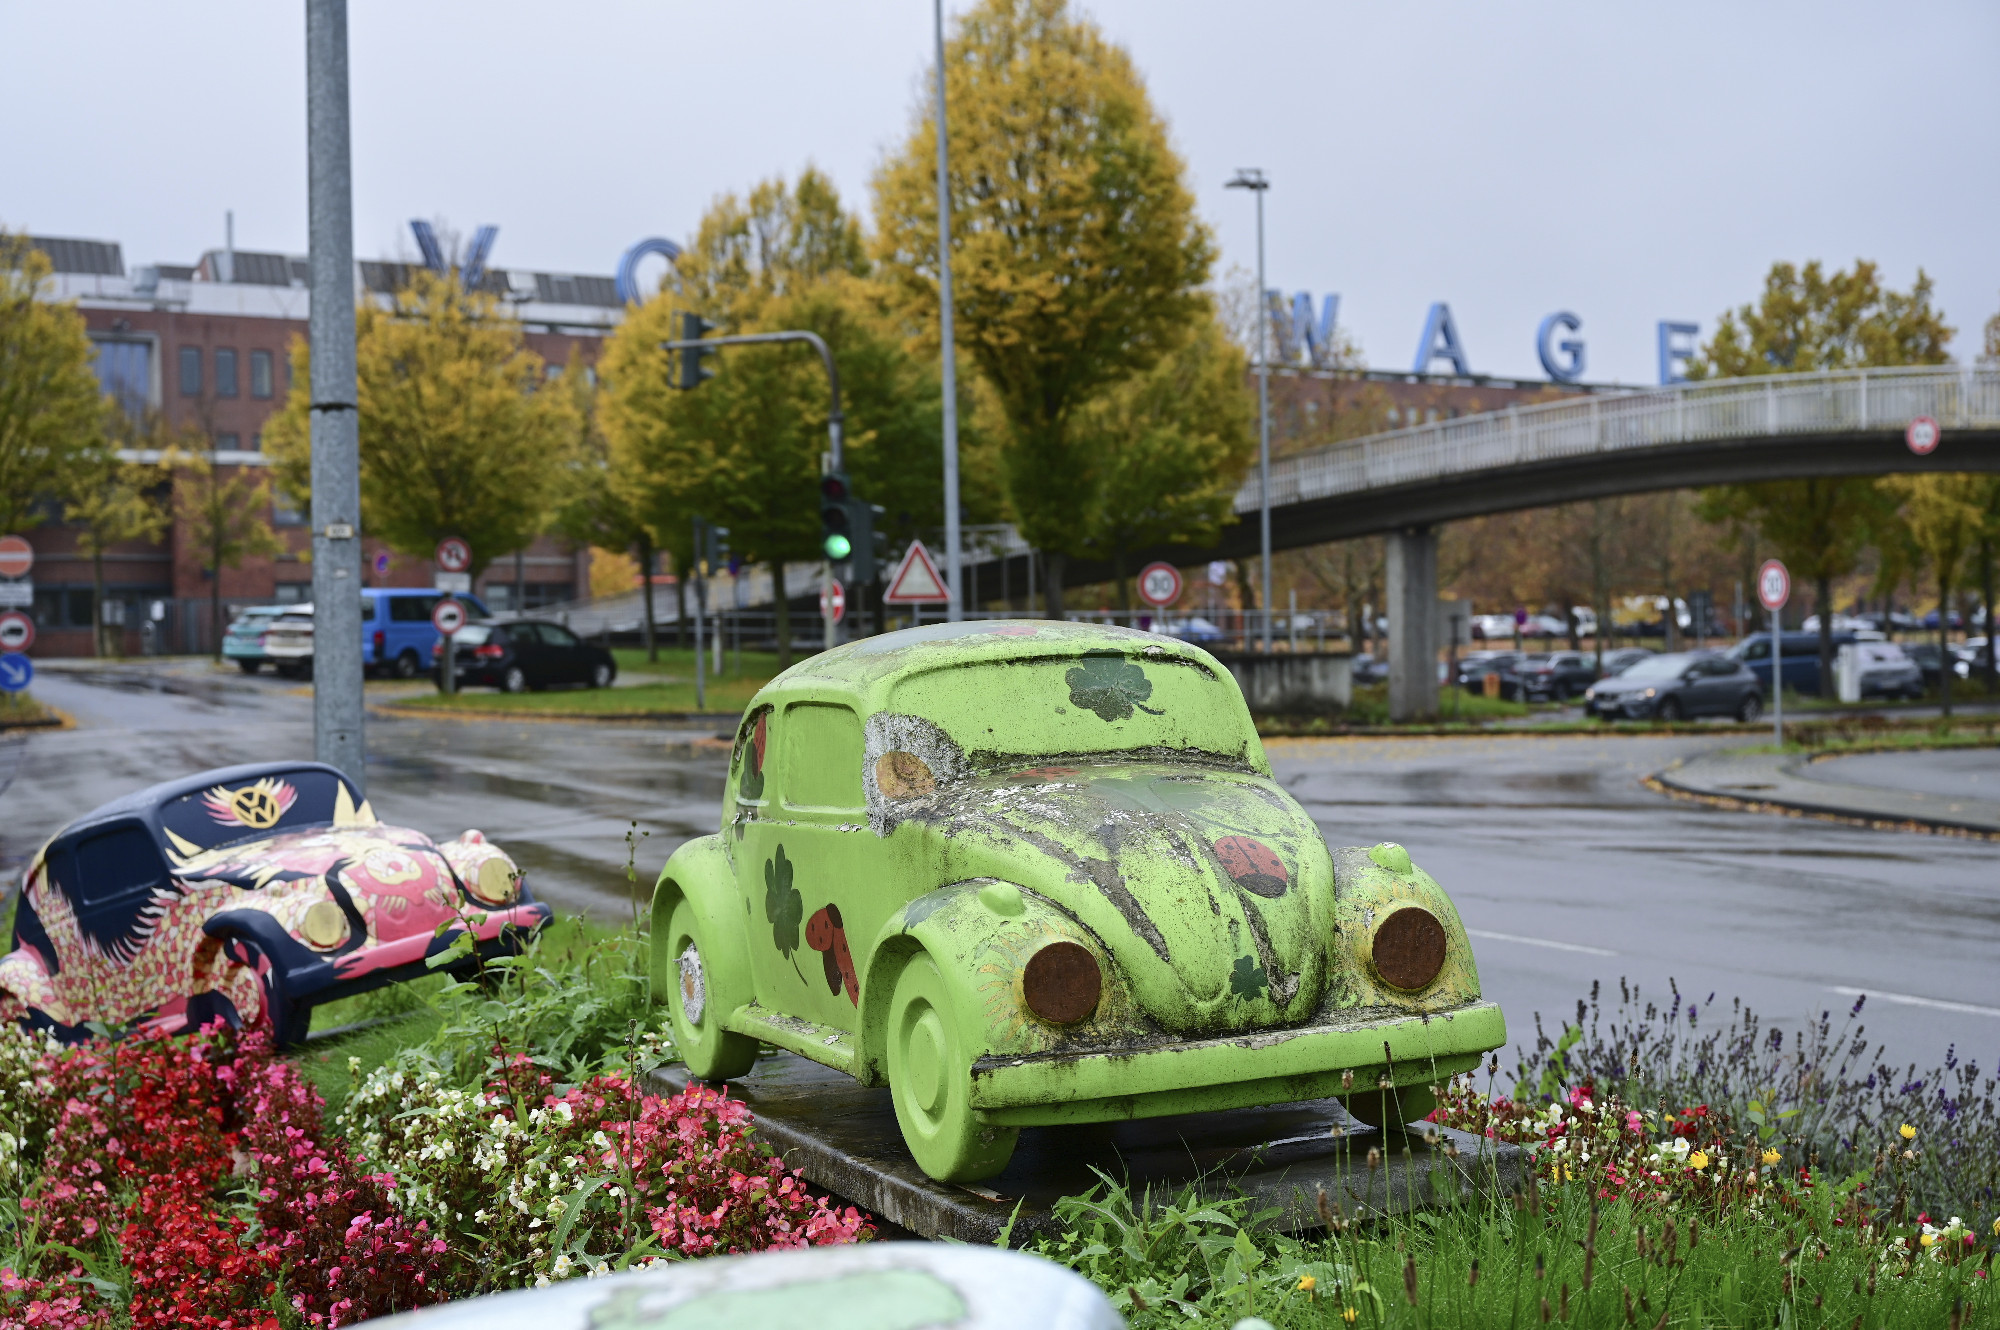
833, 601
17, 557
448, 615
1774, 585
1159, 584
17, 631
454, 555
1922, 436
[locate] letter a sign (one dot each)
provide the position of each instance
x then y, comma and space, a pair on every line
916, 580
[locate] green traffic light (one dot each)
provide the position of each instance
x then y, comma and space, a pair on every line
838, 547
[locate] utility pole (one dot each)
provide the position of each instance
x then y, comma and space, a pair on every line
955, 606
1253, 180
336, 429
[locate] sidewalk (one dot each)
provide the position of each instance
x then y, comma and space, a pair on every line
1886, 789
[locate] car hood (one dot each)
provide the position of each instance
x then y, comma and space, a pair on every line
1212, 888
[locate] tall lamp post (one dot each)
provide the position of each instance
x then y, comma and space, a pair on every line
955, 606
1252, 179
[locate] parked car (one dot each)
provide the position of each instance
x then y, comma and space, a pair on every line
514, 657
396, 634
1050, 879
1367, 669
1624, 658
1544, 675
1927, 657
1888, 671
250, 893
1474, 666
1195, 629
244, 641
1680, 685
1801, 659
288, 642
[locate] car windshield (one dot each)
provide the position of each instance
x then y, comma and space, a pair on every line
1658, 667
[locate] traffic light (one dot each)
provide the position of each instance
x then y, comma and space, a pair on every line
693, 328
867, 540
836, 517
714, 548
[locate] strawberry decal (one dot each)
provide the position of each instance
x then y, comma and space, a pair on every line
828, 936
1253, 866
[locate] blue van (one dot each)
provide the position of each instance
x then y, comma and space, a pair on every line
396, 634
1801, 663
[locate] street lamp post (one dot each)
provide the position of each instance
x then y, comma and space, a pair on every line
1252, 179
955, 606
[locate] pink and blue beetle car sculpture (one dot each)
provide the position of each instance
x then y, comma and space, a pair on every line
251, 893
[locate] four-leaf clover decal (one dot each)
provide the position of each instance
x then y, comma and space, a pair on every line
783, 905
1110, 685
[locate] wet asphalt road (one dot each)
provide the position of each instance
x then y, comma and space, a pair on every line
1565, 867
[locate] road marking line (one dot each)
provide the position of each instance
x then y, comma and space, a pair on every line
1908, 1000
1542, 942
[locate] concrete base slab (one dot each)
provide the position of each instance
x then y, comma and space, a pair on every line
844, 1136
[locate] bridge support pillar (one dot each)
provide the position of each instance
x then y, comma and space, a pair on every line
1413, 644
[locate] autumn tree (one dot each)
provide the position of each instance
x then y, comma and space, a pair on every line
220, 511
1806, 320
51, 409
1946, 516
744, 449
1078, 260
111, 502
461, 432
594, 505
1171, 446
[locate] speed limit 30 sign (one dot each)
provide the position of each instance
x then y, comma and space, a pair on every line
1159, 584
1774, 585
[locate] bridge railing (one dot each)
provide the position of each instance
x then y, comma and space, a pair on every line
1806, 405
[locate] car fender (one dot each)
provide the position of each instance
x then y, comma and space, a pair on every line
981, 933
700, 872
1367, 890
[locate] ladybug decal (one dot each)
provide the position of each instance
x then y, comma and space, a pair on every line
828, 936
1253, 866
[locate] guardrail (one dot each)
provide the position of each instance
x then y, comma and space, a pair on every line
1805, 405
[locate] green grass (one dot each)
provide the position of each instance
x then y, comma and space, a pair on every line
669, 692
23, 709
1869, 734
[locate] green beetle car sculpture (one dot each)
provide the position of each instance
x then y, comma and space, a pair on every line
1028, 873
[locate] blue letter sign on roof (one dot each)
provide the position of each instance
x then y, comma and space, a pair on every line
1440, 340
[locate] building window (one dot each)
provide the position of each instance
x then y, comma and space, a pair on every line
228, 443
190, 371
125, 373
291, 593
225, 372
283, 514
260, 373
257, 442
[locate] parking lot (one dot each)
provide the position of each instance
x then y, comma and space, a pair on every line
1566, 869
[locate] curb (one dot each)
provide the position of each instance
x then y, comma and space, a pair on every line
390, 710
1661, 782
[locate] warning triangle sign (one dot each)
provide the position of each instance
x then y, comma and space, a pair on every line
916, 580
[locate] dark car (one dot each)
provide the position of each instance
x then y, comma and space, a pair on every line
1540, 675
1624, 658
1929, 659
1676, 686
1367, 669
1474, 666
514, 657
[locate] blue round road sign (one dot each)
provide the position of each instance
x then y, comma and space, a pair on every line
16, 672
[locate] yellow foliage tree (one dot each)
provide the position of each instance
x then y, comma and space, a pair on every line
220, 511
461, 432
1946, 516
51, 409
1078, 260
111, 502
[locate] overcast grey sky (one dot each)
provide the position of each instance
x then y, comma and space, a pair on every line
1630, 163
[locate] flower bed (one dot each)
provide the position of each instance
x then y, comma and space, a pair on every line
193, 1182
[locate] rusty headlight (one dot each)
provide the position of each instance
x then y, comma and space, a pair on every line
1409, 948
1062, 983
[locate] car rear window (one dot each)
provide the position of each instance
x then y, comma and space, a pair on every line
1100, 702
474, 634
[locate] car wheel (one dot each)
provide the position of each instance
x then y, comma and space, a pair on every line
406, 665
287, 1021
1669, 710
695, 1005
514, 681
1393, 1109
248, 666
601, 675
1751, 707
930, 1080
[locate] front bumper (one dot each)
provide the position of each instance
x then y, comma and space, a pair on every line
1236, 1071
